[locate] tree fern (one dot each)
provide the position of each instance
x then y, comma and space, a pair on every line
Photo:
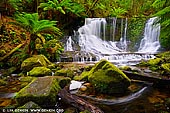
34, 26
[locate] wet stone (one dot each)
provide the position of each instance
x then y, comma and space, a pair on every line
42, 90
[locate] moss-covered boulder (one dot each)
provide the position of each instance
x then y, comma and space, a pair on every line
40, 71
107, 78
64, 72
35, 61
42, 90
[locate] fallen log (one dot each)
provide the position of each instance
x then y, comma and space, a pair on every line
77, 102
12, 51
157, 80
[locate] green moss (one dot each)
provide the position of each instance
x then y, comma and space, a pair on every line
153, 62
83, 76
154, 68
126, 68
107, 78
64, 72
163, 54
166, 66
35, 61
26, 80
40, 71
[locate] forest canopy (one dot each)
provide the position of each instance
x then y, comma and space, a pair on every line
68, 14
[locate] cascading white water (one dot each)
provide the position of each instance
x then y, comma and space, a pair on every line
90, 37
94, 38
150, 42
123, 40
69, 43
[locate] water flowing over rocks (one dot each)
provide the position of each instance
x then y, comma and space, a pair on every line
107, 38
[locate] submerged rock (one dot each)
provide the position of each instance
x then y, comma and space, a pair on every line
42, 90
107, 78
40, 71
35, 61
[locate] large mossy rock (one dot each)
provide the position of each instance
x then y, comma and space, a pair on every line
42, 90
35, 61
107, 78
64, 72
40, 71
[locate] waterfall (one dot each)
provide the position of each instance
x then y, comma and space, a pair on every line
69, 46
150, 42
123, 39
106, 38
92, 37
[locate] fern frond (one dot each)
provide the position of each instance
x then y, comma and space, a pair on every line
163, 11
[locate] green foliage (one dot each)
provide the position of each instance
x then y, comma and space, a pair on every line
65, 6
32, 24
19, 56
21, 5
163, 10
52, 49
117, 12
135, 31
16, 4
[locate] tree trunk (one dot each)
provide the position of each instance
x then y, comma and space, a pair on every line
78, 102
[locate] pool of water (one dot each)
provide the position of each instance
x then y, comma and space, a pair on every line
154, 101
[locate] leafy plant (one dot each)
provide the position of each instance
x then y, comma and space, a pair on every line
32, 24
64, 6
117, 12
